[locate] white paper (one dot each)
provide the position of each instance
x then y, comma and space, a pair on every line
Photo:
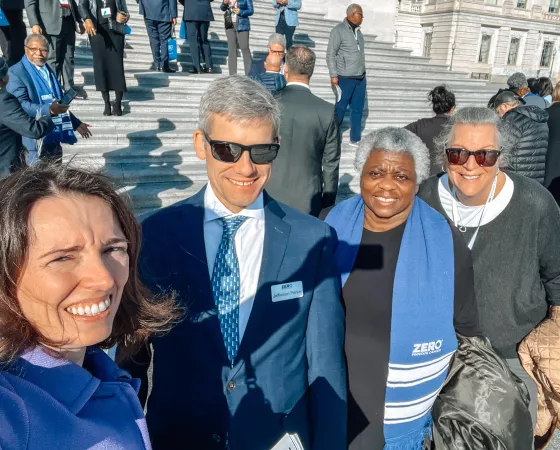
337, 92
289, 442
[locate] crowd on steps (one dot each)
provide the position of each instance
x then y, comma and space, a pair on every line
421, 313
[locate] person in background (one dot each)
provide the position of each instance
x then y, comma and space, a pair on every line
34, 84
264, 304
443, 104
277, 46
198, 15
272, 79
529, 130
518, 83
237, 32
552, 169
385, 253
15, 33
533, 87
104, 20
305, 173
287, 18
15, 123
160, 17
347, 68
58, 21
70, 288
510, 223
545, 89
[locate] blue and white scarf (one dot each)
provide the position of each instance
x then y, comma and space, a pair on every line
64, 131
423, 338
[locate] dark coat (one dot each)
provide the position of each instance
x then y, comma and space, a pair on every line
305, 173
289, 373
48, 15
428, 129
529, 129
482, 403
553, 155
11, 4
160, 10
197, 10
15, 123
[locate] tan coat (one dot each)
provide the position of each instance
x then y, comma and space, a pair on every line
540, 355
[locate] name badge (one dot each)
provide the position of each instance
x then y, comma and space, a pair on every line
287, 291
46, 97
106, 12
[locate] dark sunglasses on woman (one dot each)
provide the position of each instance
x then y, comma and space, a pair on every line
230, 152
460, 156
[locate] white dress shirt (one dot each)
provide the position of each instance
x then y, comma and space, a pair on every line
297, 83
248, 242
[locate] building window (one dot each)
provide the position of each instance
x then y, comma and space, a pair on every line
554, 6
485, 48
546, 57
427, 45
491, 2
522, 4
513, 51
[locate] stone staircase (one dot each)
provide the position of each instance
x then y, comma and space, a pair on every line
149, 152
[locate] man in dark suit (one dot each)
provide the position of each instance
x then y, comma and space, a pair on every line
58, 21
198, 15
305, 174
160, 17
260, 351
14, 34
15, 123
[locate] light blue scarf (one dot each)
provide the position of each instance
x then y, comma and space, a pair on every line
422, 333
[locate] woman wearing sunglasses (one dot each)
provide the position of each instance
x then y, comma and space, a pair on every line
69, 287
511, 224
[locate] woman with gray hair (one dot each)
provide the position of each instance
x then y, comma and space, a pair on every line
407, 288
511, 224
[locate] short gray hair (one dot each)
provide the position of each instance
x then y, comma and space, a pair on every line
300, 60
277, 38
32, 37
351, 8
476, 116
395, 140
517, 81
240, 100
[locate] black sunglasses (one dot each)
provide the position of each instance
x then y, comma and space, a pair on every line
230, 152
460, 156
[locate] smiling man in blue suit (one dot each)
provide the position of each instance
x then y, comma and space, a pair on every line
260, 351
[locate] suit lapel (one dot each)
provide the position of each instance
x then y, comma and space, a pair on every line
276, 236
190, 233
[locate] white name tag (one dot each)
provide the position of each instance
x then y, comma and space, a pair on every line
46, 97
287, 291
106, 12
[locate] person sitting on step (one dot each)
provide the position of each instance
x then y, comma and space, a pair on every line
272, 79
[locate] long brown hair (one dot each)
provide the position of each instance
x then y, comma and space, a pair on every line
556, 93
140, 313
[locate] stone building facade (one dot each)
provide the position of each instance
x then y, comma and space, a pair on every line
490, 39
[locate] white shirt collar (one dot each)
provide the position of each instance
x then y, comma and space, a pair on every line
272, 71
297, 83
214, 208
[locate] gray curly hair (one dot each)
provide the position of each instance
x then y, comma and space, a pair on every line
517, 81
476, 116
395, 140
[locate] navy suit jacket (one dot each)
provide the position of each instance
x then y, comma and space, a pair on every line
289, 374
197, 10
22, 87
160, 10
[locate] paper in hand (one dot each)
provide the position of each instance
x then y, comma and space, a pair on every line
337, 92
289, 442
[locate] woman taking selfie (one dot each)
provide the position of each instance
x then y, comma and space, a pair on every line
104, 21
69, 287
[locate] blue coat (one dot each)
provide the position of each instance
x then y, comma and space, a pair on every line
21, 86
290, 12
48, 403
289, 373
160, 10
198, 11
246, 10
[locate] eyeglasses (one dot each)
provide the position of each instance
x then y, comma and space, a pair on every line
42, 51
460, 156
277, 52
230, 152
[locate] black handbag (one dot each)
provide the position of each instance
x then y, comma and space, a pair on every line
116, 27
228, 21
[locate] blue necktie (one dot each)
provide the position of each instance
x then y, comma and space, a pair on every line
225, 285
